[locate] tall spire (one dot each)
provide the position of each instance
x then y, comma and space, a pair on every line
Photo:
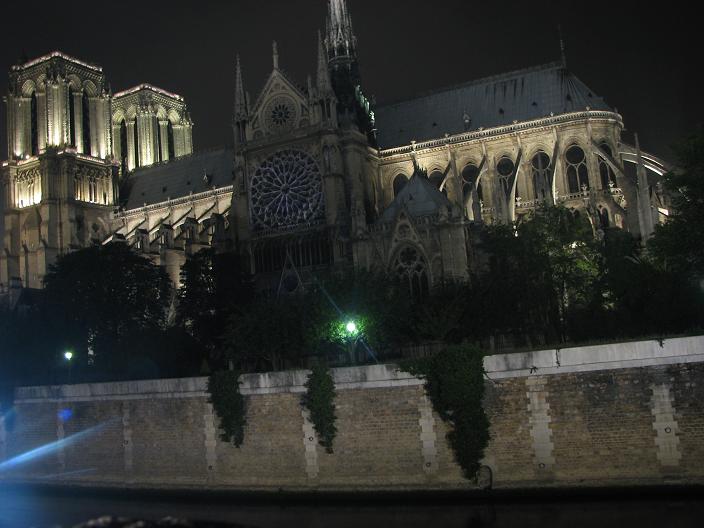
323, 79
340, 39
240, 97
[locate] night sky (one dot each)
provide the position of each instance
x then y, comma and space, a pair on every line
645, 63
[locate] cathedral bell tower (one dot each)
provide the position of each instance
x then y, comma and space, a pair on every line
341, 47
58, 184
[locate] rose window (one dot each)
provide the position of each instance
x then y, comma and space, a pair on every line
280, 114
286, 191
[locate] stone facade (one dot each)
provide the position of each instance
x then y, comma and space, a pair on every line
609, 415
319, 176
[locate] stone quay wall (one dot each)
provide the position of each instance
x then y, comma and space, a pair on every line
624, 414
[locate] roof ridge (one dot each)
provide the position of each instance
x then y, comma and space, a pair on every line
139, 171
555, 65
150, 87
52, 55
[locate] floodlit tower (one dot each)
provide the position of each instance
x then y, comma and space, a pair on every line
58, 185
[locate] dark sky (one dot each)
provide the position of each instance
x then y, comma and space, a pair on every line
643, 61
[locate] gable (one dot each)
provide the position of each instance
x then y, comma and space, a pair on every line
280, 107
418, 198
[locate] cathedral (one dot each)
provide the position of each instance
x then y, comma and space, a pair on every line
319, 176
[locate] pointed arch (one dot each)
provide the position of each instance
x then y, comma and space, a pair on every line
411, 267
400, 181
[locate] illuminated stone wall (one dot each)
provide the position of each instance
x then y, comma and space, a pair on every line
609, 415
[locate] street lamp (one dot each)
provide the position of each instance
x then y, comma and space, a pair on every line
68, 356
351, 328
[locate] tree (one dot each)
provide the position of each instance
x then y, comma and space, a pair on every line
539, 270
98, 297
678, 244
268, 335
213, 289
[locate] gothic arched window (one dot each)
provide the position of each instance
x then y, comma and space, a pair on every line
577, 171
34, 125
470, 175
157, 155
604, 218
136, 142
170, 139
505, 167
123, 146
72, 118
541, 175
437, 178
400, 182
608, 178
86, 124
411, 269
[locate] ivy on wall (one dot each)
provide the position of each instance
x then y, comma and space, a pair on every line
319, 399
454, 382
229, 405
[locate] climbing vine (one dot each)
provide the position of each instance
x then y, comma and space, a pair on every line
454, 382
319, 399
229, 405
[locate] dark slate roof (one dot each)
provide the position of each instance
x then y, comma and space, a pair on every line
495, 101
419, 197
175, 179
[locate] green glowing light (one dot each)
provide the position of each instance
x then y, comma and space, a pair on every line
351, 327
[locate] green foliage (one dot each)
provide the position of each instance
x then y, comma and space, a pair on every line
229, 405
454, 382
214, 288
677, 245
97, 297
380, 307
319, 399
269, 334
540, 269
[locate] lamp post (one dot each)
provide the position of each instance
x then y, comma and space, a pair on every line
352, 331
68, 356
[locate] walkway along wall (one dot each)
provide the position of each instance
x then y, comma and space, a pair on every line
606, 415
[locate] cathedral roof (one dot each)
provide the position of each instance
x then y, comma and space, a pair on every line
419, 198
518, 96
178, 178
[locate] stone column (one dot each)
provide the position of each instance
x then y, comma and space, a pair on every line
116, 149
104, 127
41, 120
131, 158
187, 139
164, 136
95, 111
593, 167
78, 119
146, 133
23, 124
179, 149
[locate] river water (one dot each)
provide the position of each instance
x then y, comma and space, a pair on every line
26, 507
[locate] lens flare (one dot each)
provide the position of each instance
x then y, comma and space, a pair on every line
50, 448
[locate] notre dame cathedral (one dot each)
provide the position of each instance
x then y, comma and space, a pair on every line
319, 177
